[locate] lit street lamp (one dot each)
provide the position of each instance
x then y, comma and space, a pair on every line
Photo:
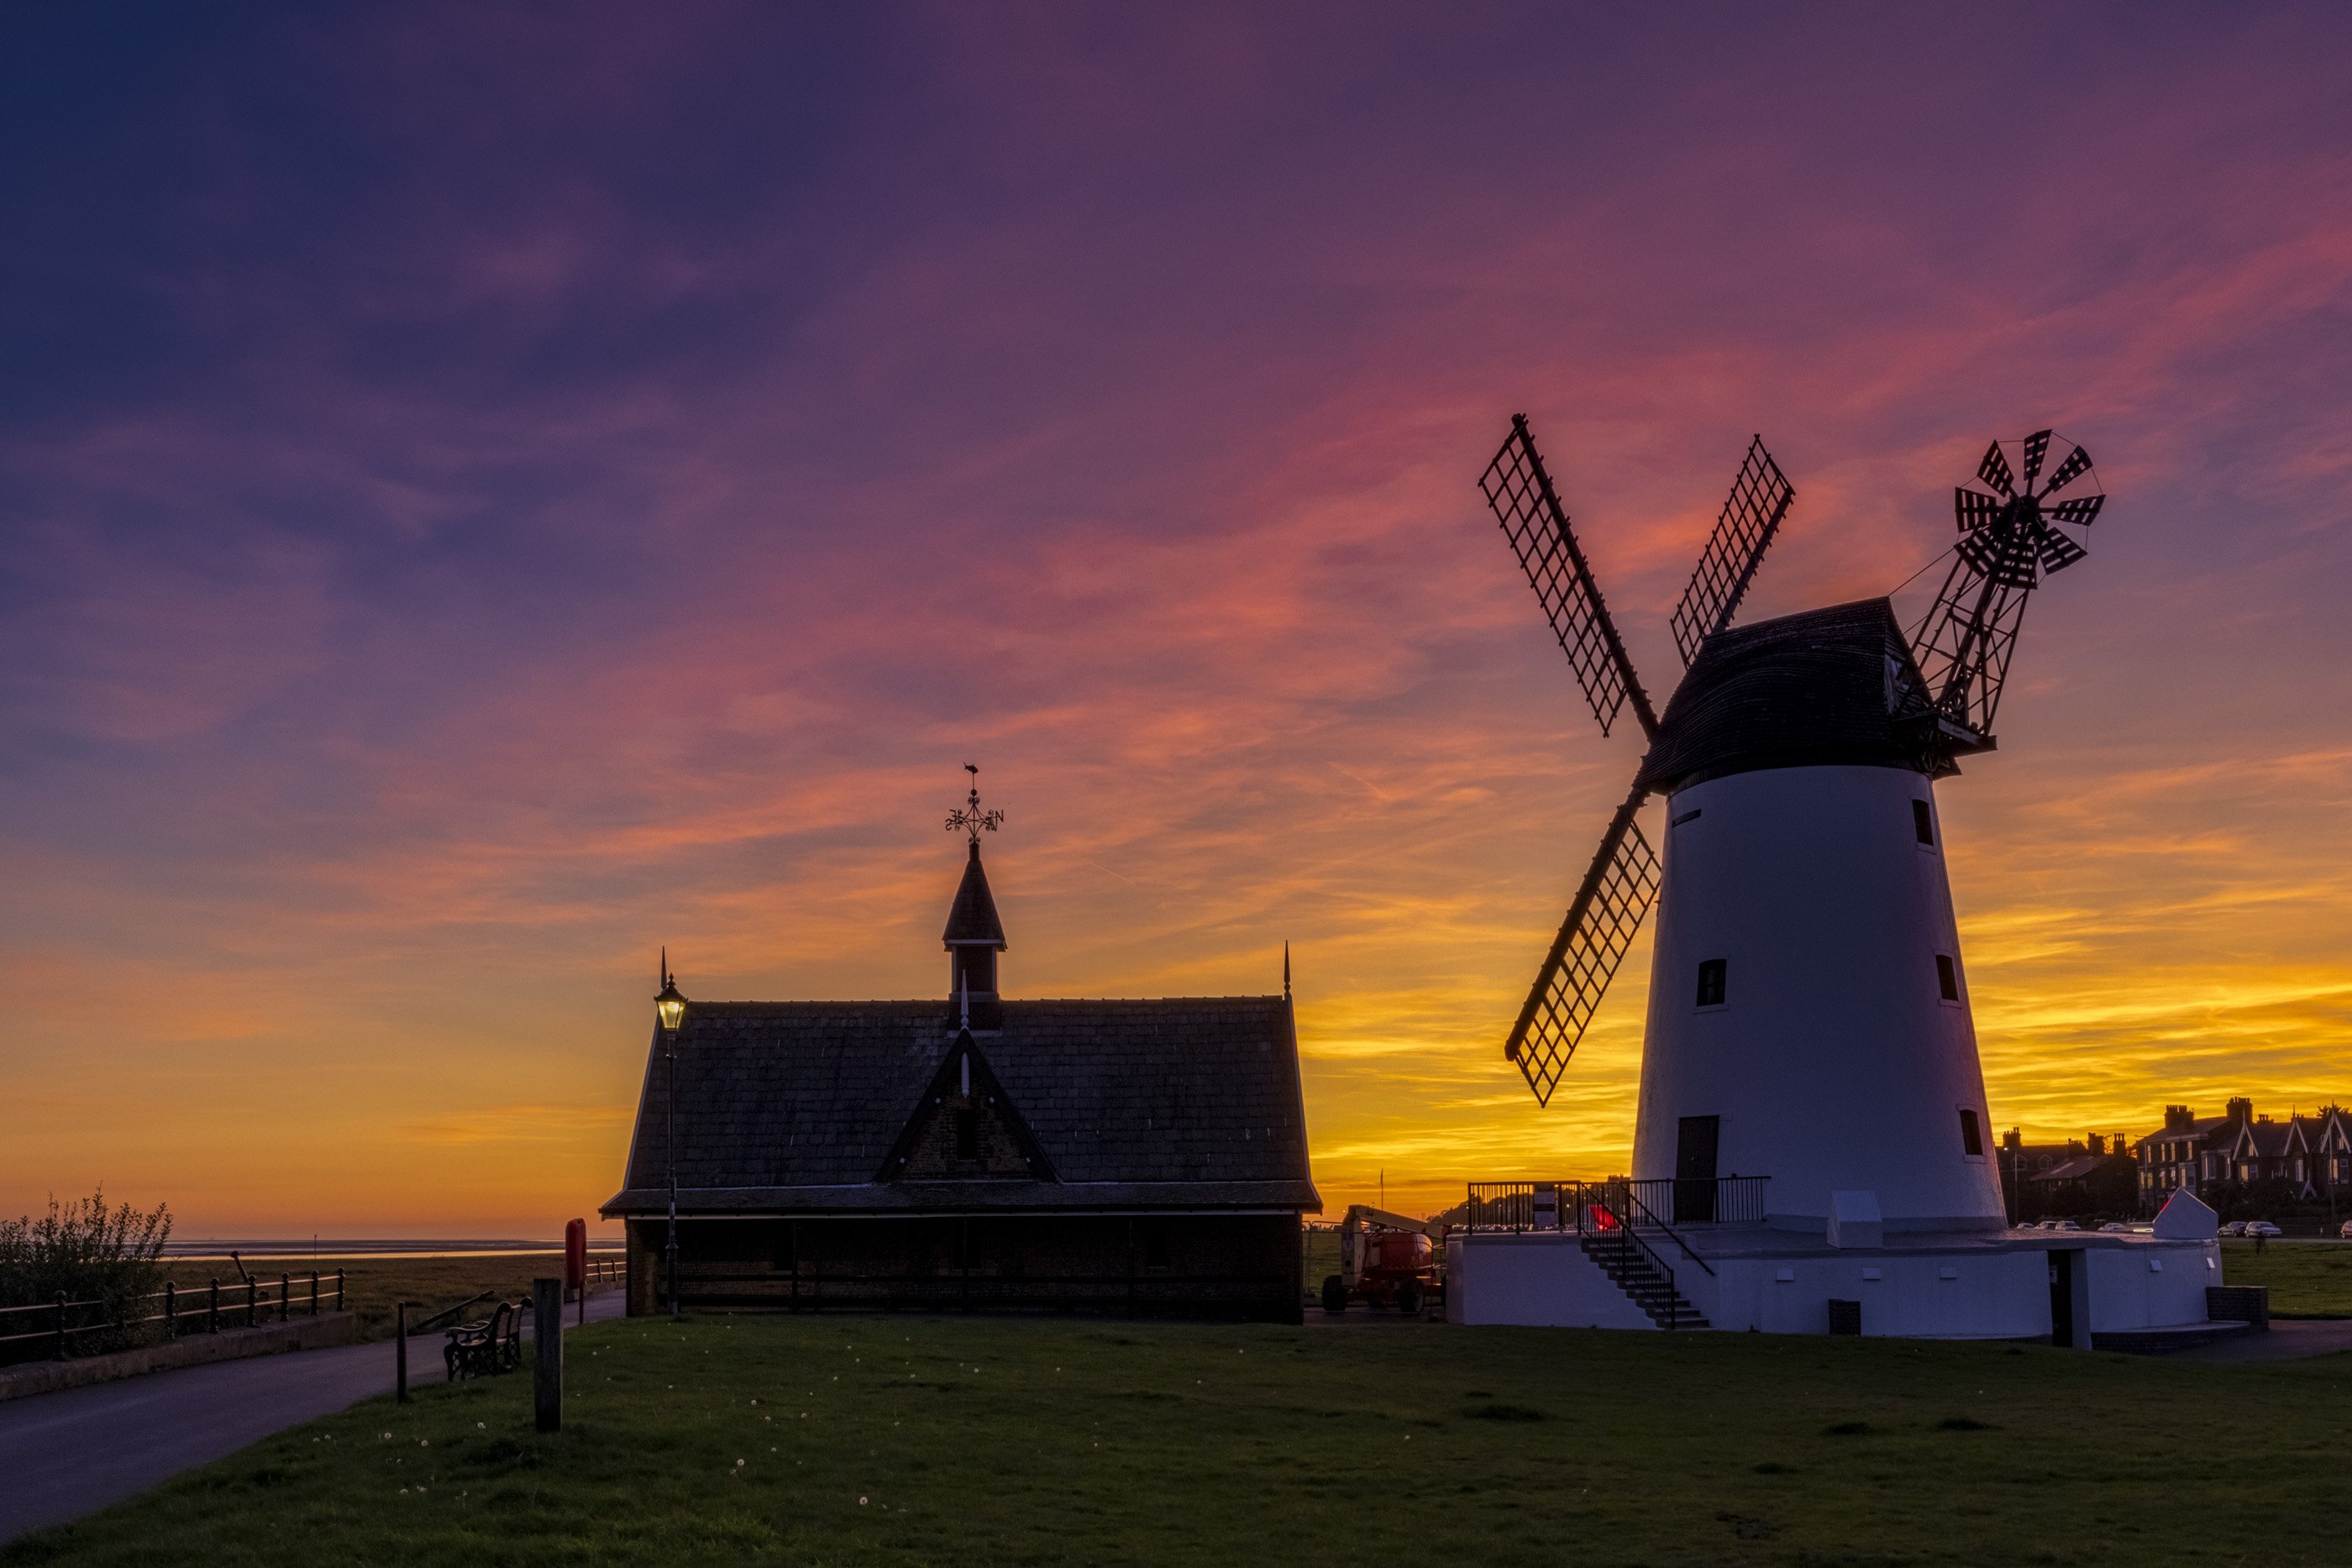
669, 1007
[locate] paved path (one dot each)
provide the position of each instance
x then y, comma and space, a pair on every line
67, 1454
2289, 1339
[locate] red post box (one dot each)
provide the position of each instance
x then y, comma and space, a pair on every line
576, 1257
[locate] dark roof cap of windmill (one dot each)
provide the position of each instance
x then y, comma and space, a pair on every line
1835, 686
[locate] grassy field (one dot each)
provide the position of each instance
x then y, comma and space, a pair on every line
2307, 1278
373, 1287
902, 1440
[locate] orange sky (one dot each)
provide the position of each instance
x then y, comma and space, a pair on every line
612, 518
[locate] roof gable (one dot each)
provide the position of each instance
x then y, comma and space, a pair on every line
965, 1128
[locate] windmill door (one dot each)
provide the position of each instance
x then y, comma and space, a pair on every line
1694, 1141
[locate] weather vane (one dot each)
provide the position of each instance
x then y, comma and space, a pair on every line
971, 818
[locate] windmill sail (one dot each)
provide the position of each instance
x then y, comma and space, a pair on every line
1518, 488
1751, 516
1617, 892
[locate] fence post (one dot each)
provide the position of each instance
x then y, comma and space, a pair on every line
338, 1290
212, 1308
285, 1296
61, 1326
547, 1353
400, 1352
252, 1299
171, 1310
314, 1292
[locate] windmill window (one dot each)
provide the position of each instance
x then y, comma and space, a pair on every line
967, 1124
1712, 981
1947, 979
1922, 823
1971, 1135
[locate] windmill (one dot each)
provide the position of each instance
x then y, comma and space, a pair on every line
1808, 1018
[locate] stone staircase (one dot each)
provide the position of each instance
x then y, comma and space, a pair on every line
1632, 1269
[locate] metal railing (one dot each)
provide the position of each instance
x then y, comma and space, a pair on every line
1627, 1242
200, 1309
1647, 1205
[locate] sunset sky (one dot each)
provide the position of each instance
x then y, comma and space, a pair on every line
490, 490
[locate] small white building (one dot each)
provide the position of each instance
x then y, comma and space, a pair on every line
1594, 1269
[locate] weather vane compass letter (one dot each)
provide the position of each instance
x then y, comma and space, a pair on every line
969, 818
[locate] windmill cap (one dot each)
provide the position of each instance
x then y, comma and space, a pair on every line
1829, 687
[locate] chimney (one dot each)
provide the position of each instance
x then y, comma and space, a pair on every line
2241, 1109
2098, 1144
2180, 1119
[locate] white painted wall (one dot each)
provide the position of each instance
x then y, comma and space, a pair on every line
2151, 1287
1833, 1063
1988, 1295
1539, 1278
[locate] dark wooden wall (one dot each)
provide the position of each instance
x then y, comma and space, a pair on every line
1184, 1265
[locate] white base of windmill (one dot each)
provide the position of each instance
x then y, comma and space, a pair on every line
2084, 1289
1832, 1062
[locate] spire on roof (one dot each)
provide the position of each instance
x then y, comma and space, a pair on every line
974, 935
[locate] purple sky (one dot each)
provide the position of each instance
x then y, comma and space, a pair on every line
493, 490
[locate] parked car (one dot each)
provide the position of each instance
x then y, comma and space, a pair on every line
2062, 1225
2344, 1230
2114, 1227
2263, 1227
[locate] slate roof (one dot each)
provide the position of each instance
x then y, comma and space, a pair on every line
1836, 686
971, 918
1188, 1103
2075, 1169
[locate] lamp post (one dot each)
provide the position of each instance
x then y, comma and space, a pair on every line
669, 1007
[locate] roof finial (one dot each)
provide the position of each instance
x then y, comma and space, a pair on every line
1285, 971
971, 818
665, 964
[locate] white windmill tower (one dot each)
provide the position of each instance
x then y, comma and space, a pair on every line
1809, 1017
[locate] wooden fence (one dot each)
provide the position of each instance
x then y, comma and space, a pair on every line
59, 1328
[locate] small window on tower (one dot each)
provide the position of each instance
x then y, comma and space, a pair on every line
1923, 825
967, 1134
1711, 972
1948, 979
1972, 1139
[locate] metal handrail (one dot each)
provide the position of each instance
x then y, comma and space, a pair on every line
1649, 1216
1623, 1237
1510, 1204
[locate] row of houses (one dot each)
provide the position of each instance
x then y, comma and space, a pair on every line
2310, 1153
2307, 1154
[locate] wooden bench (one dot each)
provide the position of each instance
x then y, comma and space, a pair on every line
492, 1345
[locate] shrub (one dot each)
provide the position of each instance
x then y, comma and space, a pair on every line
109, 1256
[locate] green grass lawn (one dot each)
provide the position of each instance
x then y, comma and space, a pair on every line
907, 1440
373, 1287
2307, 1278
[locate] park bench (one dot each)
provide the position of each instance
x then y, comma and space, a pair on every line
494, 1344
